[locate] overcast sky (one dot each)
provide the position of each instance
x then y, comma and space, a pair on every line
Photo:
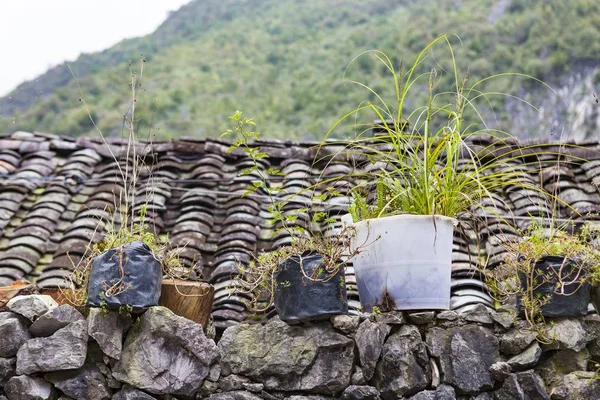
38, 34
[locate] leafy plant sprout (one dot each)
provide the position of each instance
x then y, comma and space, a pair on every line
258, 278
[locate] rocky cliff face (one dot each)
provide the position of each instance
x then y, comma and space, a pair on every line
50, 351
568, 111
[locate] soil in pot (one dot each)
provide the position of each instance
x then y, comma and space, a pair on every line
574, 302
299, 299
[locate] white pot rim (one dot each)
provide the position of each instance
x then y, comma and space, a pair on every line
401, 217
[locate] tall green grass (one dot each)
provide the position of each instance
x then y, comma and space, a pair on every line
431, 160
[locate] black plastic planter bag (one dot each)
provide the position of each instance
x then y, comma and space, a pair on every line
298, 298
574, 302
142, 277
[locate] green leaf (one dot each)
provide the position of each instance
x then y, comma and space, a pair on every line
247, 171
275, 172
249, 190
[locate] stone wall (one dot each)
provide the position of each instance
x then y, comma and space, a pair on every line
50, 352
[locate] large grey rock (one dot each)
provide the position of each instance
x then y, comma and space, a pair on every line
532, 385
6, 315
130, 393
237, 395
66, 349
500, 370
516, 340
424, 395
85, 383
553, 369
55, 319
110, 381
165, 354
369, 338
28, 388
522, 386
479, 314
253, 387
311, 358
567, 334
444, 392
207, 388
354, 392
527, 359
13, 334
447, 315
232, 382
592, 327
358, 378
594, 349
578, 386
404, 366
448, 319
345, 323
510, 390
8, 368
421, 317
466, 354
107, 329
504, 317
31, 306
214, 373
394, 317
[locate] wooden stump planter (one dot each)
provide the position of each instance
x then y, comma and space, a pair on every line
61, 296
188, 299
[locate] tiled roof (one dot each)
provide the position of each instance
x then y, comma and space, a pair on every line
56, 193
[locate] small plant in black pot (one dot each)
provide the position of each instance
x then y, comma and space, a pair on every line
125, 269
551, 272
306, 290
305, 281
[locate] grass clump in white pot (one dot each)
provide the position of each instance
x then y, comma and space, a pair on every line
424, 169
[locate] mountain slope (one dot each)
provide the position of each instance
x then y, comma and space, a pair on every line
284, 63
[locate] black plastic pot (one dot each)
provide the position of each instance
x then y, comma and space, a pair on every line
142, 278
298, 299
574, 302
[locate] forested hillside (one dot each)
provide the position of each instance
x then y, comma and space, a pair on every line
285, 62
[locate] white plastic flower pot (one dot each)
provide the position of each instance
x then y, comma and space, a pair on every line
404, 261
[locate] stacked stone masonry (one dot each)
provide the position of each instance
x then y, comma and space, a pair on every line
54, 352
